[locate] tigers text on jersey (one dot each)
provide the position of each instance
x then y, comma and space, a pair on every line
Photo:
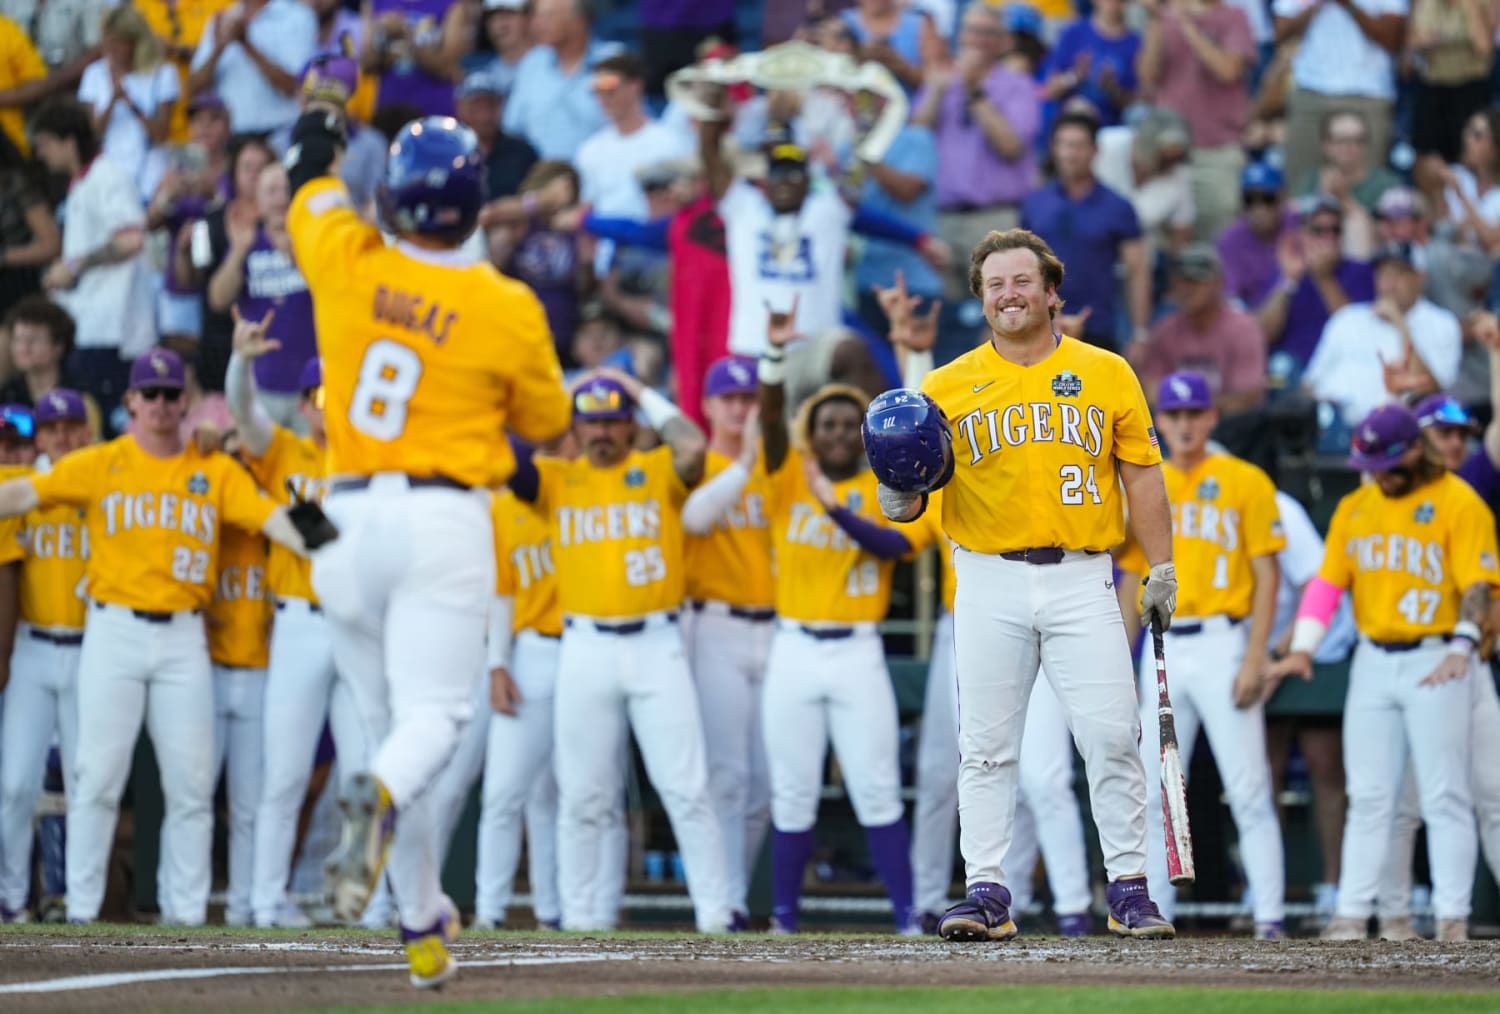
290, 458
1036, 447
1407, 561
427, 359
523, 565
1224, 515
822, 574
239, 616
732, 563
616, 533
154, 523
56, 543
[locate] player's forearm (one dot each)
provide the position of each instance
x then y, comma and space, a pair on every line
1138, 285
250, 417
1474, 607
771, 399
880, 542
17, 496
1150, 512
1262, 605
501, 620
713, 500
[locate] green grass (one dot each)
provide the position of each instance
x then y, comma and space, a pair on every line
996, 999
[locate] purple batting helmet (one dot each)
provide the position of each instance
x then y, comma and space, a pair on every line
1383, 439
435, 181
602, 399
908, 441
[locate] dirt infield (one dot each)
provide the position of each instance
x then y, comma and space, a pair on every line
216, 971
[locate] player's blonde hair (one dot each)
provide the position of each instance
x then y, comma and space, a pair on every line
1016, 239
802, 427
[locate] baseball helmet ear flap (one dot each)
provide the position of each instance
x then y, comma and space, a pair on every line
908, 441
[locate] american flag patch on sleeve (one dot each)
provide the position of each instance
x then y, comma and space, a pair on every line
1151, 435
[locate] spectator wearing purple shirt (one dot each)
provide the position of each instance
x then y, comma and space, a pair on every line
986, 119
1313, 279
1248, 246
336, 24
417, 48
785, 18
1094, 59
672, 31
1095, 231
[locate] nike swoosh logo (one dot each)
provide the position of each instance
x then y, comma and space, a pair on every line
981, 387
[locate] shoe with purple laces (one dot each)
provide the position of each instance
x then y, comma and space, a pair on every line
1080, 924
1132, 913
983, 915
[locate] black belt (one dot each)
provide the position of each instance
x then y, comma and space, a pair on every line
51, 638
827, 633
1397, 647
413, 481
146, 614
1189, 629
281, 604
632, 627
964, 207
740, 612
1045, 556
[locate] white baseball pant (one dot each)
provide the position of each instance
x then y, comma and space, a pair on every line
239, 742
42, 697
133, 668
727, 652
1484, 745
1050, 805
302, 689
406, 587
609, 683
1201, 666
1388, 720
1064, 618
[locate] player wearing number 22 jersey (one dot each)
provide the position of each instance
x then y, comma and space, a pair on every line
428, 358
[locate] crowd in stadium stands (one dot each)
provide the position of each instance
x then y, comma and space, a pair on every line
1298, 199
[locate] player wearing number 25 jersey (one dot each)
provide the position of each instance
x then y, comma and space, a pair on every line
428, 359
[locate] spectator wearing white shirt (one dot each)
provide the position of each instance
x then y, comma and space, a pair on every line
552, 102
252, 53
607, 161
1399, 346
102, 278
1345, 61
131, 91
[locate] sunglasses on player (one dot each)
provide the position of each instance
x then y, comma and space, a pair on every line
171, 394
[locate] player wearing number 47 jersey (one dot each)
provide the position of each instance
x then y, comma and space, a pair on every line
428, 358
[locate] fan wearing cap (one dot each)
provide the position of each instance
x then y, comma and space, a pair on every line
1415, 549
42, 696
328, 84
477, 104
153, 506
727, 558
615, 515
1400, 345
1248, 246
1226, 532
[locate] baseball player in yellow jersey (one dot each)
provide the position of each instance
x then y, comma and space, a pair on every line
428, 358
302, 685
826, 678
1415, 548
727, 559
42, 696
1226, 532
1046, 432
617, 545
154, 510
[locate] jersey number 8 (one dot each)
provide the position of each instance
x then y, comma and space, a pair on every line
387, 380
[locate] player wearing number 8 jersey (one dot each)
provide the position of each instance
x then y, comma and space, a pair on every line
1046, 430
428, 358
1415, 548
154, 510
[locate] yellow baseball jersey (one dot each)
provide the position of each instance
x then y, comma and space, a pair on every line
289, 457
822, 574
239, 617
154, 523
1223, 516
56, 546
524, 567
19, 63
732, 563
1037, 446
12, 548
1407, 561
426, 362
616, 533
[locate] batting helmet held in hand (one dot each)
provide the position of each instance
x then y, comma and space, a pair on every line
908, 441
434, 182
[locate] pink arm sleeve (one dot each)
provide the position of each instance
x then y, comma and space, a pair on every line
1319, 599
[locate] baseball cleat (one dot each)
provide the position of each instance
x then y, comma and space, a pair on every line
1270, 931
983, 915
1132, 913
369, 822
1078, 925
1452, 931
14, 918
1398, 931
739, 922
427, 950
1345, 928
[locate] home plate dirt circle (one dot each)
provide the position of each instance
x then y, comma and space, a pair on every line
205, 971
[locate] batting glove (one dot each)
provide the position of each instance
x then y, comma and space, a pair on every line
1159, 595
317, 139
897, 506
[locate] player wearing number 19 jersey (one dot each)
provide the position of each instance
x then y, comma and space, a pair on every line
428, 358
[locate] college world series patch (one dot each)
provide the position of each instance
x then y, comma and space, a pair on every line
1067, 384
198, 484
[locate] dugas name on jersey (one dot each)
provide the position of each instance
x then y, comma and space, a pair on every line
167, 511
1192, 519
1402, 554
608, 523
1035, 422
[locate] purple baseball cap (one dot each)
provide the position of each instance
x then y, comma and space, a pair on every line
1383, 439
1184, 390
205, 100
1443, 410
330, 78
600, 399
731, 375
312, 374
61, 405
158, 368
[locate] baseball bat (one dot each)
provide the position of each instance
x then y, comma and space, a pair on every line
1173, 778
